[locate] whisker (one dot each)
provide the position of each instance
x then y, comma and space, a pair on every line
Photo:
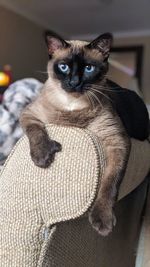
113, 91
91, 100
101, 94
91, 95
87, 96
102, 88
107, 89
44, 72
96, 98
108, 76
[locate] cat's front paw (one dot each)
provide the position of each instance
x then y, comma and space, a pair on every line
43, 153
102, 218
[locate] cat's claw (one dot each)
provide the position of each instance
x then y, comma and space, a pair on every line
102, 220
44, 155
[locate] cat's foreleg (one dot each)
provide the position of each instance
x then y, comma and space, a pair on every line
117, 149
42, 148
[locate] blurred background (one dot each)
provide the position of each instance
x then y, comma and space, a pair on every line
22, 23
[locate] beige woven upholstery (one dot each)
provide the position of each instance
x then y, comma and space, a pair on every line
43, 218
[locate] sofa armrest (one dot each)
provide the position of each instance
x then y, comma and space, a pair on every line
34, 200
138, 167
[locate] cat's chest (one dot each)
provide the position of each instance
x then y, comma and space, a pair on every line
77, 118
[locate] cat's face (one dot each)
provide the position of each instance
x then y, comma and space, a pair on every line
77, 65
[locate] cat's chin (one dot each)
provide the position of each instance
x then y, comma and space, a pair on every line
75, 103
65, 101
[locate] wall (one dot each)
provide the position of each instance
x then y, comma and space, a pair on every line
145, 41
22, 46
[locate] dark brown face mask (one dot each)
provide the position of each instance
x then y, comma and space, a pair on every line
78, 65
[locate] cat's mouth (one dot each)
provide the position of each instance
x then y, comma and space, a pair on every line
78, 90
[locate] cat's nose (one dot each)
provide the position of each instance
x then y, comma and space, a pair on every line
74, 82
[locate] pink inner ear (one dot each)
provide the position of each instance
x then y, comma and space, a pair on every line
104, 46
54, 44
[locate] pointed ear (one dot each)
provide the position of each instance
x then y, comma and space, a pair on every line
54, 42
103, 43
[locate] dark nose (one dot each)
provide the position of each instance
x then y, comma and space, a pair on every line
74, 82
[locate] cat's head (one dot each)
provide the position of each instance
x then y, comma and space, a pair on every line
77, 64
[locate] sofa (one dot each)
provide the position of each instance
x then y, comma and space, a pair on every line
44, 212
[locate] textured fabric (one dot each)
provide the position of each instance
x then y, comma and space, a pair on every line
143, 252
138, 167
76, 244
32, 198
16, 97
35, 202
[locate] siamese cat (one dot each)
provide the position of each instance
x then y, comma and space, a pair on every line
78, 94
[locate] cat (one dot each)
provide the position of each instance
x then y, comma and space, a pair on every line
77, 93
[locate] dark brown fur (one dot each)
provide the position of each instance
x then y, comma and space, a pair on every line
54, 105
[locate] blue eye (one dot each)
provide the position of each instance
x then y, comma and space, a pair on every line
89, 68
63, 67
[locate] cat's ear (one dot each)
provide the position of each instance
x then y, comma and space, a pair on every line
103, 43
54, 42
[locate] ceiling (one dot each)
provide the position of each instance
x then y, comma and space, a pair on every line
74, 18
